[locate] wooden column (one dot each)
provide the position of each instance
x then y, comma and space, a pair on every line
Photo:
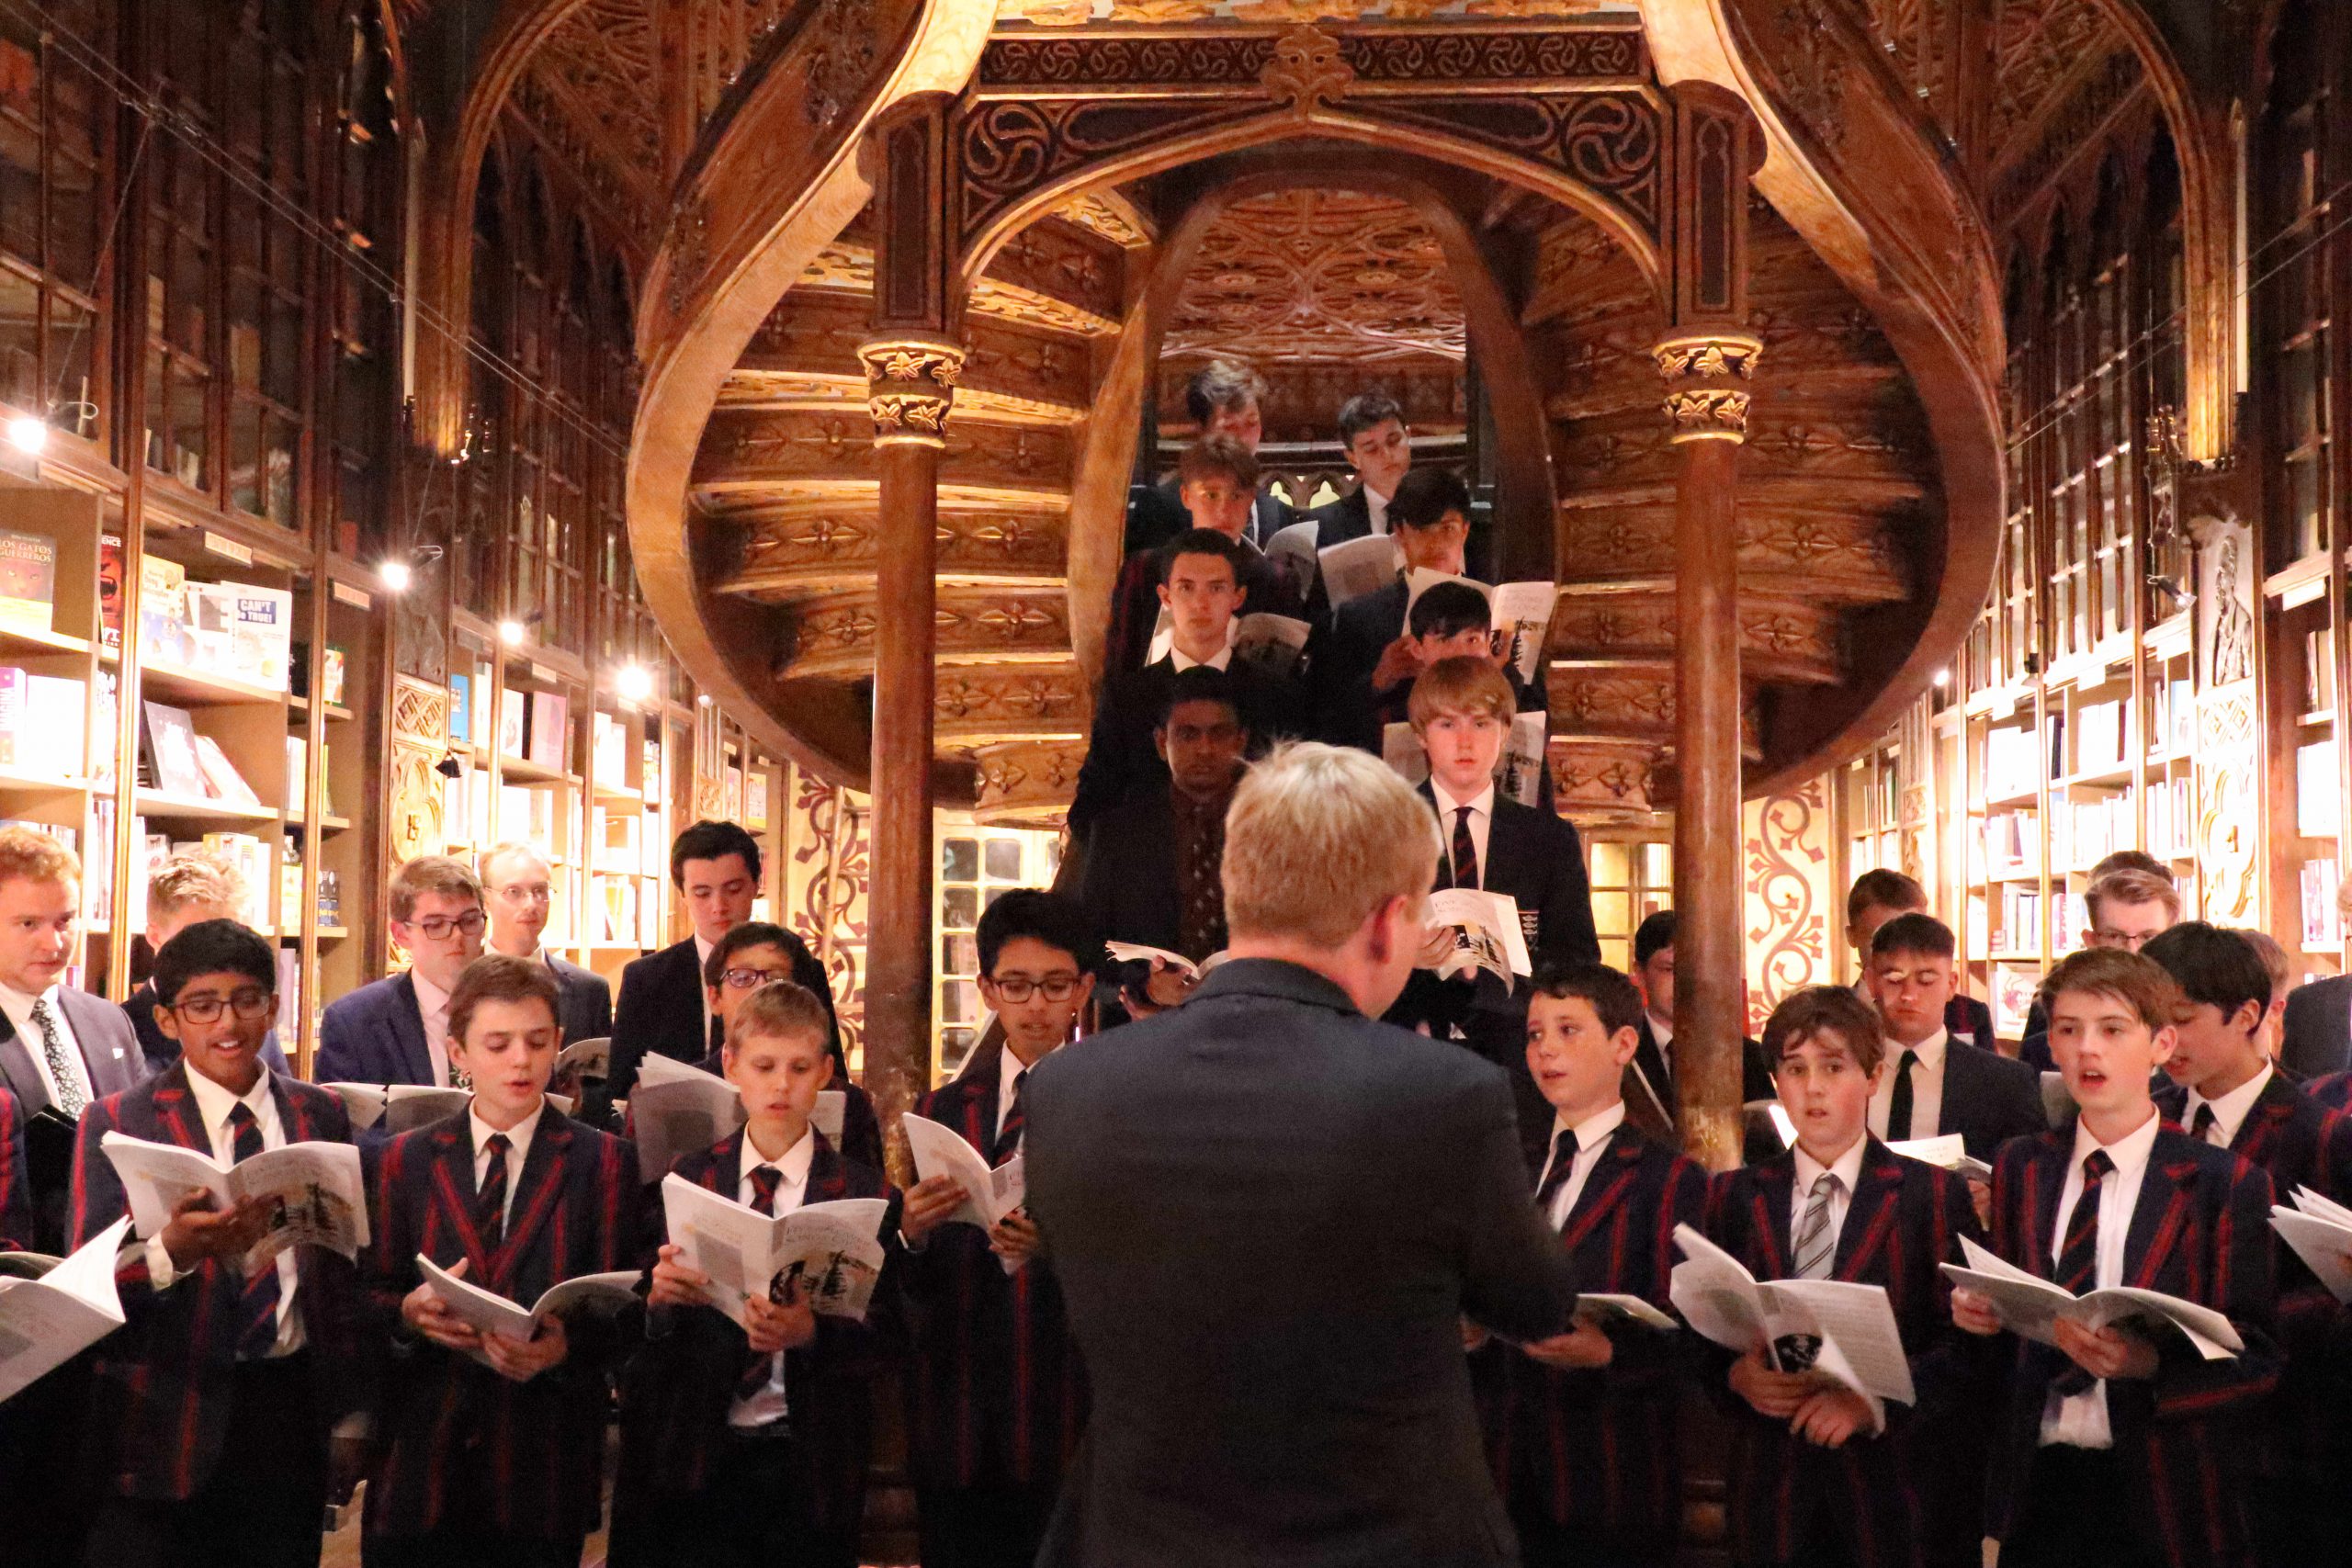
911, 367
1709, 365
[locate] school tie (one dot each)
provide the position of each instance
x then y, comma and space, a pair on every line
757, 1367
2201, 1128
1899, 1108
1564, 1164
257, 1306
490, 1196
1008, 1137
70, 1097
1466, 849
1816, 1238
2078, 1258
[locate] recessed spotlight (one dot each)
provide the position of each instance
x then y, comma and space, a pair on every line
511, 633
1943, 678
28, 434
394, 575
635, 681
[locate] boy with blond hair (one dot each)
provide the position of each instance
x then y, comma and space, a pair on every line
183, 889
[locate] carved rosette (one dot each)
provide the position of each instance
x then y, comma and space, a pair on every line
1708, 379
909, 387
1025, 784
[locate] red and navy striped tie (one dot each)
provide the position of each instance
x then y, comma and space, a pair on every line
759, 1368
2078, 1259
257, 1306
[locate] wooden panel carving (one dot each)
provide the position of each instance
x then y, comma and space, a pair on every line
835, 635
813, 546
1789, 896
420, 740
978, 707
1026, 782
766, 450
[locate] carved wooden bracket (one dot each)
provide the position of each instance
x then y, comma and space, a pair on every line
1708, 382
910, 387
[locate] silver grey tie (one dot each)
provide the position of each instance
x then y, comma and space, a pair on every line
70, 1097
1816, 1244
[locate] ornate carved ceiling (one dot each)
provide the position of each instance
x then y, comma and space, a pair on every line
587, 94
1070, 13
2043, 50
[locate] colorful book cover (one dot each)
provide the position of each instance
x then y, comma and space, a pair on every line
13, 732
110, 574
27, 580
460, 706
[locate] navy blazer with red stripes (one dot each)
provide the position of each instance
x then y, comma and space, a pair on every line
999, 1391
531, 1452
1892, 1496
1598, 1447
160, 1388
16, 1186
676, 1394
2200, 1230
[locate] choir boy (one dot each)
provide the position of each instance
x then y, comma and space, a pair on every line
1878, 897
396, 1029
1816, 1474
1380, 449
1652, 1097
1938, 1084
999, 1393
1223, 400
497, 1459
664, 1006
745, 1446
1462, 711
1218, 479
1362, 658
740, 964
2131, 899
181, 890
210, 1407
2123, 1446
1581, 1427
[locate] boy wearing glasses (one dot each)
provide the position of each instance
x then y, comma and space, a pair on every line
210, 1407
739, 964
999, 1393
519, 889
396, 1029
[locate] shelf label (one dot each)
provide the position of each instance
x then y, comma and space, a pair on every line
228, 548
541, 672
357, 598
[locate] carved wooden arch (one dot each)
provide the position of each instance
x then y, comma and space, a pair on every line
1049, 117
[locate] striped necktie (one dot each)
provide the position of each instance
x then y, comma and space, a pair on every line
2078, 1259
490, 1196
1817, 1245
1466, 849
758, 1369
1564, 1162
257, 1305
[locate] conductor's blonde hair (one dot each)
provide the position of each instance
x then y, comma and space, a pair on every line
27, 854
1317, 839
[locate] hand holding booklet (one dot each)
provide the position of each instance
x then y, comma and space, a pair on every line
940, 1150
1843, 1331
1136, 952
312, 1193
832, 1251
1487, 933
487, 1312
1948, 1152
46, 1321
2320, 1232
2030, 1306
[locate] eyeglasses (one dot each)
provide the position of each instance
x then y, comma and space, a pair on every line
745, 979
2129, 941
1020, 988
524, 893
247, 1003
438, 928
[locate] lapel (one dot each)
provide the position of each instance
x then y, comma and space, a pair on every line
537, 1192
828, 1175
293, 1119
2271, 1110
1776, 1186
1959, 1083
2160, 1212
408, 1029
978, 1083
1871, 1216
16, 1066
1612, 1175
452, 1176
175, 1114
726, 1174
1651, 1061
2045, 1185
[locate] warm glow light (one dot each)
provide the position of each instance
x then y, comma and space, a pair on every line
511, 633
636, 685
29, 434
1943, 677
703, 701
394, 574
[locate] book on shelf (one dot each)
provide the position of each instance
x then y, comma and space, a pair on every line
298, 775
2182, 735
169, 757
2319, 670
2098, 737
652, 786
2011, 768
110, 575
97, 871
242, 630
2069, 923
2322, 926
608, 750
164, 632
27, 580
289, 883
2318, 790
2054, 751
102, 725
248, 858
548, 731
2013, 989
330, 897
731, 794
331, 665
513, 721
461, 711
289, 993
221, 780
755, 800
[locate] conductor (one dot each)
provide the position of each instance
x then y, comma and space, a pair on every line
1268, 1214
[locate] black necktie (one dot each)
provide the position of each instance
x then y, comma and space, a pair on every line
257, 1305
1008, 1137
1466, 849
490, 1196
2078, 1258
2201, 1128
766, 1178
1898, 1109
1564, 1161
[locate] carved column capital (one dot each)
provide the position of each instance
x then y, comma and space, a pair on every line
910, 385
1708, 379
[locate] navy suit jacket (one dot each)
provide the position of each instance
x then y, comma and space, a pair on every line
1129, 884
162, 1386
1122, 763
677, 1393
2318, 1028
375, 1035
1336, 522
1341, 656
1893, 1498
162, 1050
661, 1009
2200, 1230
1156, 514
999, 1392
583, 1001
16, 1187
1269, 1214
445, 1420
1988, 1098
1598, 1448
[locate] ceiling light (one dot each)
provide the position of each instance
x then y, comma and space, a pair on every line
511, 633
394, 574
636, 682
28, 434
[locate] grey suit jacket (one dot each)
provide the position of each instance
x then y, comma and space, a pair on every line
1268, 1214
109, 1050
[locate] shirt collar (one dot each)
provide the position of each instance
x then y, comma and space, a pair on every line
1221, 660
1594, 1130
430, 998
2230, 1109
1661, 1033
1480, 805
19, 1001
1930, 1051
1009, 1067
2130, 1152
214, 1101
792, 1167
518, 1137
1848, 1169
702, 955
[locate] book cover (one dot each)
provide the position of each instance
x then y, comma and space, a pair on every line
545, 737
171, 756
331, 677
15, 734
110, 574
460, 698
221, 780
27, 580
2317, 801
511, 710
56, 715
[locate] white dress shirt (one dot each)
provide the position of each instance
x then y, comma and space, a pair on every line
1221, 660
213, 1105
2080, 1420
2230, 1111
1592, 1136
518, 1140
19, 1009
1848, 1169
1482, 817
1009, 1073
1927, 1086
433, 1006
702, 967
1376, 507
791, 1190
1662, 1036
